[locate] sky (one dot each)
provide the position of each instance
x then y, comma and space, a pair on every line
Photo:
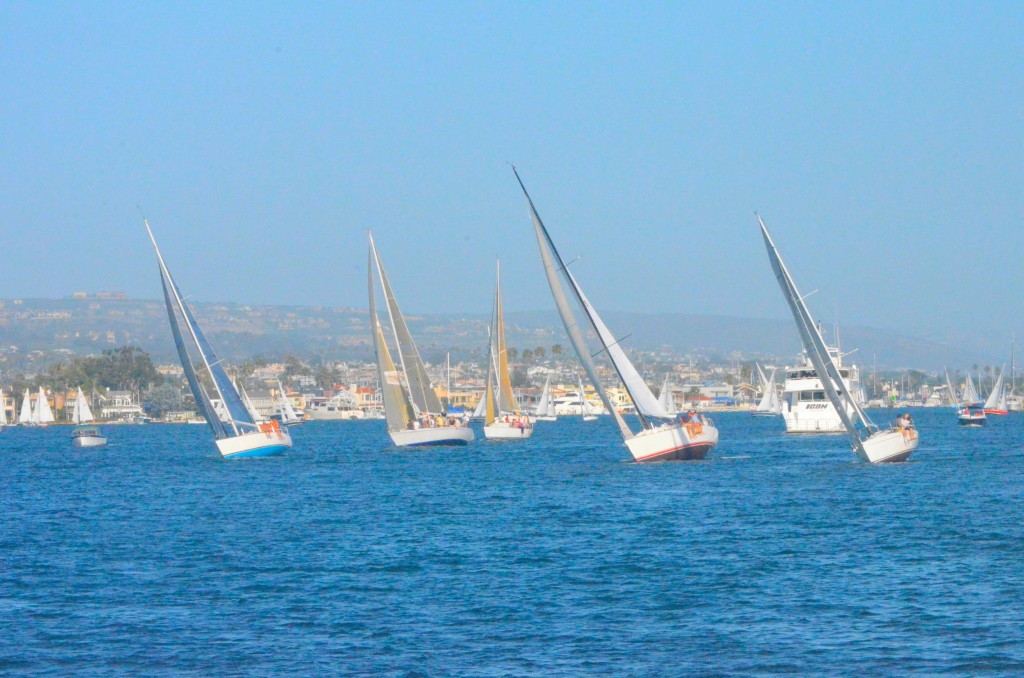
881, 142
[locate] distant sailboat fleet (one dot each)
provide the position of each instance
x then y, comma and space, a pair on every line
820, 394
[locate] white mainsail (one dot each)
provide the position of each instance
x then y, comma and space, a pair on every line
26, 409
665, 399
997, 398
970, 395
3, 409
82, 413
284, 405
42, 413
545, 405
770, 401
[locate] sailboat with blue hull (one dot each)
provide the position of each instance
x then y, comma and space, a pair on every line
236, 431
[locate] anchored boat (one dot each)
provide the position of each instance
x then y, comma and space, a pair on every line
237, 432
411, 406
661, 437
869, 442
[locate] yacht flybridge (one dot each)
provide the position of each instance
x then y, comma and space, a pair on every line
661, 436
868, 441
805, 406
237, 432
411, 407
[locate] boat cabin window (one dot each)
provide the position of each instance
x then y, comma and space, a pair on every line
812, 395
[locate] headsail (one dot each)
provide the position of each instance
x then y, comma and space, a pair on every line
970, 395
82, 413
545, 398
665, 397
42, 414
26, 409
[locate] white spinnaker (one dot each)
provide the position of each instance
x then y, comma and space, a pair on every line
813, 342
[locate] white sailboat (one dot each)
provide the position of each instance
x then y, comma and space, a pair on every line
770, 404
545, 410
25, 416
3, 410
238, 433
869, 443
585, 408
42, 415
411, 407
284, 408
85, 436
504, 418
967, 413
660, 437
996, 401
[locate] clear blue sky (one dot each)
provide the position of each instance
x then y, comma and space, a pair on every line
881, 142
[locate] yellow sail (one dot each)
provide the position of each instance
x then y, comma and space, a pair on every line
396, 405
489, 395
506, 398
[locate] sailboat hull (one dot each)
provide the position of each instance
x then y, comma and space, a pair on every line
501, 430
997, 412
258, 444
89, 441
687, 442
441, 435
889, 446
546, 418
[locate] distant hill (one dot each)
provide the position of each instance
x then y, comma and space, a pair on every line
83, 326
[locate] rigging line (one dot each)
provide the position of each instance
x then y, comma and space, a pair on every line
617, 341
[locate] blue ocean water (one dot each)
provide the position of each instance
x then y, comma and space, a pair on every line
552, 556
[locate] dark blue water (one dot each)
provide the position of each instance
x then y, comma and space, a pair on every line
547, 557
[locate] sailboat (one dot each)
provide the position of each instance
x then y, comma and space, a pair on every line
996, 401
237, 433
585, 409
971, 409
665, 397
42, 415
3, 410
85, 436
546, 405
770, 404
504, 419
285, 409
967, 414
869, 442
411, 407
660, 437
25, 416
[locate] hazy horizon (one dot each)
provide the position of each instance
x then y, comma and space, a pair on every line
880, 142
